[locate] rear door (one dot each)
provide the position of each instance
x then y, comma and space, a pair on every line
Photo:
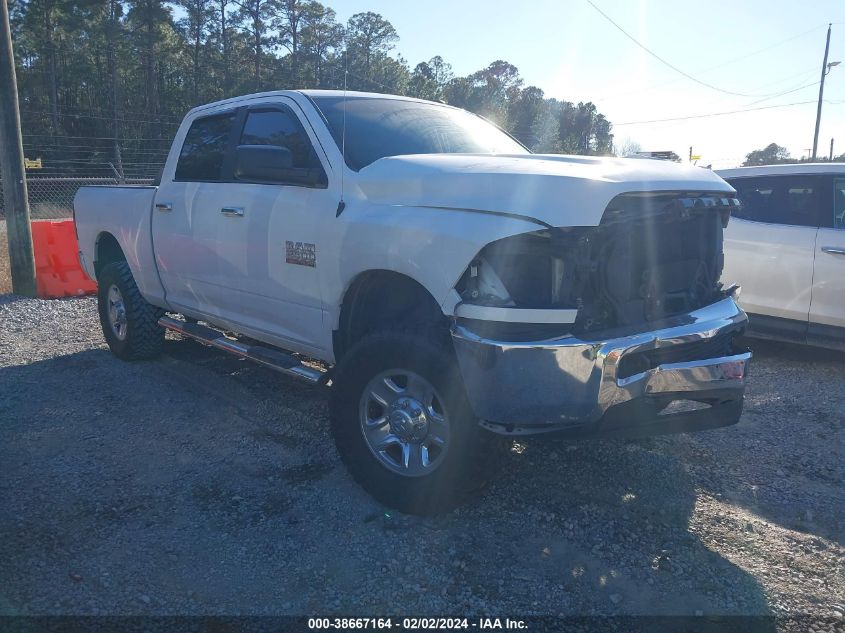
770, 245
828, 305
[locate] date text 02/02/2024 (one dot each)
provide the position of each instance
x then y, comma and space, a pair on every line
416, 623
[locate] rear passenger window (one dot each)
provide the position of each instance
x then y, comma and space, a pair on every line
793, 200
204, 149
839, 203
275, 127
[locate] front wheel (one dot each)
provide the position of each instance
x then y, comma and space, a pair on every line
403, 426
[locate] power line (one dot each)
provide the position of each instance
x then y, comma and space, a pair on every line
664, 61
712, 114
89, 162
803, 74
764, 49
95, 116
93, 148
103, 138
786, 92
71, 111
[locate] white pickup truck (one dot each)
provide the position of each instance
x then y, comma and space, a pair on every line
453, 287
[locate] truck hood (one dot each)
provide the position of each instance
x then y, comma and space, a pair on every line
554, 189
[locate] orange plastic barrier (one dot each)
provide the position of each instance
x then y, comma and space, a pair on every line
57, 269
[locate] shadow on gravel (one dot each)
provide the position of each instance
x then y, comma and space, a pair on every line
127, 491
785, 460
258, 380
611, 519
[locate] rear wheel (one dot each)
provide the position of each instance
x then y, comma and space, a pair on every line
129, 322
403, 426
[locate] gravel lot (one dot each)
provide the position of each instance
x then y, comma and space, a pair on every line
203, 484
5, 273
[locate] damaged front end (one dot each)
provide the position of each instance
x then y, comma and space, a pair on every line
653, 256
641, 321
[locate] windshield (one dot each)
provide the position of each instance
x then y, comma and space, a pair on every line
376, 128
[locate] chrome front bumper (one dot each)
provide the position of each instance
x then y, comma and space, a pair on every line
587, 386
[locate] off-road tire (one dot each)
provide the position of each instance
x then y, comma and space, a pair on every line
144, 336
472, 454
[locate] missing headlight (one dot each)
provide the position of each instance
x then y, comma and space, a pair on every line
539, 270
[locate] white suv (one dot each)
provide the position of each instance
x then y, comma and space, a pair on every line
786, 248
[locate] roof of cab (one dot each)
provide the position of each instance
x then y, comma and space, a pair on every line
310, 94
366, 95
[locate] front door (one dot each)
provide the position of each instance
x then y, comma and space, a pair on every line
266, 229
828, 305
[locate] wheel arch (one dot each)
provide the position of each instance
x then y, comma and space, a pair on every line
380, 299
106, 250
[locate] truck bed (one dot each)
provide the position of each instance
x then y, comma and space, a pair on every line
123, 212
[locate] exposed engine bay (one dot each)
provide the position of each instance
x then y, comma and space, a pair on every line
653, 256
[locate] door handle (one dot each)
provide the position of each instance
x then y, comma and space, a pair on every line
232, 211
164, 206
834, 250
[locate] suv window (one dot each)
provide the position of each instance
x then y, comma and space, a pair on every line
204, 149
283, 129
787, 199
839, 203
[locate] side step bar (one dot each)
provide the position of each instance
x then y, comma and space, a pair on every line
267, 356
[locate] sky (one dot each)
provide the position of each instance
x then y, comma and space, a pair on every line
767, 52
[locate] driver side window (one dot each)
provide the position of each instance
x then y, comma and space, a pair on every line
274, 149
282, 129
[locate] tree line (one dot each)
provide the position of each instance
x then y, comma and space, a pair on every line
774, 154
104, 83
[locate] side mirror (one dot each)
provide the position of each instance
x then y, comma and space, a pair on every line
265, 163
272, 164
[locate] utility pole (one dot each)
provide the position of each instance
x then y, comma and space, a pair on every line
831, 151
21, 258
821, 94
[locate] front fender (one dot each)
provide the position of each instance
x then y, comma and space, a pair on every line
433, 246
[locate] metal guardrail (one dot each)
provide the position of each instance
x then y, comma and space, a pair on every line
52, 197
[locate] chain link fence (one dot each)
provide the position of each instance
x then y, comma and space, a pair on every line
51, 198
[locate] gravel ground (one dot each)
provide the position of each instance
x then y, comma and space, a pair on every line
5, 273
202, 484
